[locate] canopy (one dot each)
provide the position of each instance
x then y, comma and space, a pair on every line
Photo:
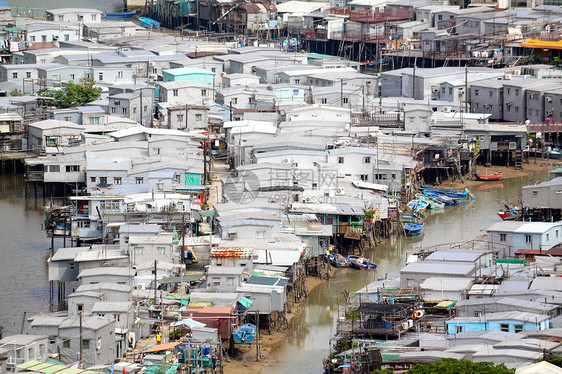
189, 323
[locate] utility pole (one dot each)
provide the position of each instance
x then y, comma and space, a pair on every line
414, 80
341, 92
155, 281
466, 88
80, 343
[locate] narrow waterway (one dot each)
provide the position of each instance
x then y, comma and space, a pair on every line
23, 255
312, 329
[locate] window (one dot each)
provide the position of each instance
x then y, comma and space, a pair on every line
214, 70
504, 327
156, 150
556, 233
517, 92
516, 109
124, 110
440, 17
54, 168
93, 17
490, 93
198, 117
161, 250
68, 119
502, 237
181, 151
72, 168
459, 329
175, 92
409, 282
117, 180
28, 74
380, 176
73, 142
260, 234
180, 117
138, 180
85, 344
250, 100
94, 120
547, 236
323, 101
295, 92
475, 92
203, 92
297, 81
66, 37
340, 160
518, 328
364, 177
66, 343
103, 180
450, 91
345, 100
93, 179
43, 38
216, 282
366, 160
145, 108
15, 75
528, 239
138, 251
79, 307
72, 266
119, 74
509, 91
230, 281
234, 100
32, 38
100, 76
113, 110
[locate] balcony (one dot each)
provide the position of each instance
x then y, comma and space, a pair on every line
368, 16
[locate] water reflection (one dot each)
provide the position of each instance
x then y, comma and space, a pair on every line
313, 327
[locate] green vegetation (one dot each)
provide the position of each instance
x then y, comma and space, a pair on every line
174, 335
452, 366
74, 94
554, 360
15, 92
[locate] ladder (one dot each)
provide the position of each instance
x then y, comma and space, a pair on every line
519, 159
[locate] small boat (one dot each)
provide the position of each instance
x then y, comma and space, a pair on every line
411, 216
338, 261
413, 229
433, 203
149, 23
509, 214
553, 153
417, 206
442, 198
360, 262
456, 194
244, 334
489, 177
120, 15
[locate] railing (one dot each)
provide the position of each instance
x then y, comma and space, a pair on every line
366, 15
544, 127
371, 327
35, 176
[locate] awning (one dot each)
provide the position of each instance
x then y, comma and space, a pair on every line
161, 347
447, 304
245, 302
189, 323
42, 367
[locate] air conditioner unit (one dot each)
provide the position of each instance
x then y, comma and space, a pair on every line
141, 287
150, 63
512, 146
487, 106
549, 99
434, 89
340, 191
446, 109
507, 77
517, 72
308, 200
98, 345
549, 113
254, 69
286, 161
232, 235
508, 103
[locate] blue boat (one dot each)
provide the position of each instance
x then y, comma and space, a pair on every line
149, 23
442, 198
413, 229
360, 262
553, 153
456, 194
338, 261
244, 334
120, 15
417, 206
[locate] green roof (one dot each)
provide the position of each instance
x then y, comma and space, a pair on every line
268, 281
246, 303
320, 56
184, 278
448, 304
510, 261
13, 29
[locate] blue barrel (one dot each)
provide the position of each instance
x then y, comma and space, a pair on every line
387, 325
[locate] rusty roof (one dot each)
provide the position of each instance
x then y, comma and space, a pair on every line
235, 252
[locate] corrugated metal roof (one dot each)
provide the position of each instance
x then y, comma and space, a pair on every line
231, 252
268, 281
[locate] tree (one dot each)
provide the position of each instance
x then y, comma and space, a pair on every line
554, 360
452, 366
74, 94
15, 92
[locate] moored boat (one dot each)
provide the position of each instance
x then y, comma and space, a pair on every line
456, 194
413, 229
433, 203
442, 198
417, 206
489, 177
360, 262
120, 15
244, 334
149, 23
509, 214
338, 261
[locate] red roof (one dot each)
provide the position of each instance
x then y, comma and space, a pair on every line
40, 45
555, 251
236, 252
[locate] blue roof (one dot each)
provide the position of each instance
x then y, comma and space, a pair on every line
187, 71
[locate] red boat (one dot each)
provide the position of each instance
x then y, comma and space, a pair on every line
509, 214
489, 177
